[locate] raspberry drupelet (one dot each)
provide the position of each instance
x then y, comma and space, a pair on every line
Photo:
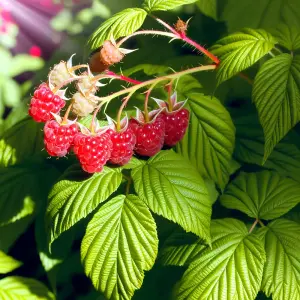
43, 103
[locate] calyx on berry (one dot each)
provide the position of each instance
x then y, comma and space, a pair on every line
172, 106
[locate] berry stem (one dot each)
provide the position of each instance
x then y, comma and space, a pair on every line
156, 81
146, 32
261, 223
77, 67
119, 116
57, 88
65, 118
146, 112
169, 89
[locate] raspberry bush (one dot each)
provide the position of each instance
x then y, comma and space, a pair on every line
186, 172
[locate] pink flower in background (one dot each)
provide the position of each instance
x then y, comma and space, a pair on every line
5, 20
35, 51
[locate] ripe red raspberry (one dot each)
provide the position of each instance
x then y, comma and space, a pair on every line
93, 151
43, 103
176, 124
123, 145
58, 139
149, 136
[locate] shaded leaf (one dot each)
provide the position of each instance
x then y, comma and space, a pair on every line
153, 5
7, 263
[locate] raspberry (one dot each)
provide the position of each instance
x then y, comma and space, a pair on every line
176, 124
43, 103
149, 136
123, 145
93, 151
58, 139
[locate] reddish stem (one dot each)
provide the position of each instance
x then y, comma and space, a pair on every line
125, 101
146, 112
169, 89
122, 77
65, 118
200, 48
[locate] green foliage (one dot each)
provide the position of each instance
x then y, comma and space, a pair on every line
153, 5
15, 288
265, 14
173, 188
262, 195
209, 141
276, 94
209, 8
288, 37
231, 269
240, 51
119, 244
7, 263
282, 271
76, 195
121, 24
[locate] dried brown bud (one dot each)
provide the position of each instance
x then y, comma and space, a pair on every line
110, 54
181, 26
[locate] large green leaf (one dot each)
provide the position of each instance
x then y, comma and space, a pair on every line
241, 50
22, 141
121, 24
10, 92
276, 94
262, 195
232, 269
282, 269
263, 14
288, 36
152, 5
76, 195
208, 7
249, 148
20, 288
209, 140
173, 188
120, 243
7, 263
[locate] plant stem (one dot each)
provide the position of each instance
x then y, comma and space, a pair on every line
169, 89
124, 78
253, 225
261, 223
125, 101
65, 119
129, 181
146, 32
156, 81
78, 67
189, 41
246, 78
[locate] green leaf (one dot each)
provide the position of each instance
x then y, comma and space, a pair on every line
288, 37
249, 148
209, 140
17, 203
7, 263
23, 63
180, 249
282, 270
153, 5
121, 24
262, 195
276, 94
120, 243
241, 50
174, 189
20, 288
133, 163
263, 14
208, 7
232, 269
10, 92
76, 195
62, 21
148, 69
5, 58
24, 140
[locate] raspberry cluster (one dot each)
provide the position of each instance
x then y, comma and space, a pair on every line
144, 135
